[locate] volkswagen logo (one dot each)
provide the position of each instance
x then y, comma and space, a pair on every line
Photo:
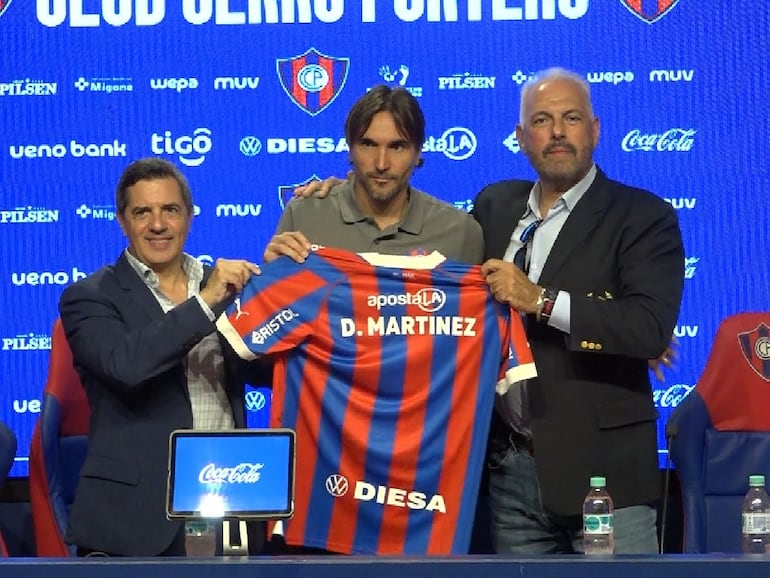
250, 146
337, 485
255, 400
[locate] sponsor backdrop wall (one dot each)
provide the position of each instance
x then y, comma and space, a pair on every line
249, 98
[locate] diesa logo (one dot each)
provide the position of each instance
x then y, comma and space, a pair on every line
192, 150
35, 278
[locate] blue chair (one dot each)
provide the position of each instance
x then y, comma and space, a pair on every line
721, 434
58, 450
7, 454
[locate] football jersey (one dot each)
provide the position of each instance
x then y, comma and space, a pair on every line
387, 369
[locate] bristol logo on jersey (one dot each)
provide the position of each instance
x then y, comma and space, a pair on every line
755, 346
649, 10
313, 80
286, 192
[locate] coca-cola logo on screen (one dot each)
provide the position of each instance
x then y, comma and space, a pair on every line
671, 397
243, 473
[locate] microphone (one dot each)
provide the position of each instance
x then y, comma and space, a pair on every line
672, 429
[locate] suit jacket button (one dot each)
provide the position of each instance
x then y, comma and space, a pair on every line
584, 344
598, 347
592, 346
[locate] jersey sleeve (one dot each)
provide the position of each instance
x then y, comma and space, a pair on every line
520, 364
275, 311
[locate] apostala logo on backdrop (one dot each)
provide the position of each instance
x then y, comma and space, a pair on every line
286, 192
466, 81
650, 12
457, 143
397, 76
104, 84
191, 150
27, 87
317, 82
27, 342
29, 215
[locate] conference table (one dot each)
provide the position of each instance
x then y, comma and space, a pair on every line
666, 566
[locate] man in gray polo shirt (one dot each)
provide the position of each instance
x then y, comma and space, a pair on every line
378, 210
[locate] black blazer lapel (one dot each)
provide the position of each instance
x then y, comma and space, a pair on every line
136, 289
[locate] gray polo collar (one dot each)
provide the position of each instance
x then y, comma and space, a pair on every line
411, 223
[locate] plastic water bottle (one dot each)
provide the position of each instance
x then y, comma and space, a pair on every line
598, 520
200, 538
756, 518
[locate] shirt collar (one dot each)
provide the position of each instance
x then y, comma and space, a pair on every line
570, 198
191, 266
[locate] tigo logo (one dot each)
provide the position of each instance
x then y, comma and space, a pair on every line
27, 87
192, 150
236, 82
29, 215
457, 143
178, 84
610, 77
47, 277
75, 149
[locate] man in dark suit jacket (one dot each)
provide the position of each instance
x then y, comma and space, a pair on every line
143, 340
604, 281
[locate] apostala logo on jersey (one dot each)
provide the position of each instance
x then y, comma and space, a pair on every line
337, 485
428, 299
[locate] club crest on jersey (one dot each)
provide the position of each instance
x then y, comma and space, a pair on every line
755, 346
649, 11
312, 80
286, 192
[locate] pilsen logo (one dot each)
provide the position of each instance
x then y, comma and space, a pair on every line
649, 10
755, 346
312, 80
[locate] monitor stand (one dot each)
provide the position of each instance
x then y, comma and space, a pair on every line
235, 538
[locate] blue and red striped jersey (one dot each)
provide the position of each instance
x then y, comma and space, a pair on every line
387, 369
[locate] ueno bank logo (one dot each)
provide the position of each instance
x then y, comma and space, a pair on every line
27, 87
29, 215
192, 150
672, 140
26, 405
236, 82
177, 84
457, 143
27, 342
35, 278
73, 149
428, 299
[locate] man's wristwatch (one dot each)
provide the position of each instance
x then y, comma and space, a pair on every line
545, 302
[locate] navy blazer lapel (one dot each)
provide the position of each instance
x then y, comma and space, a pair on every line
509, 211
585, 217
136, 289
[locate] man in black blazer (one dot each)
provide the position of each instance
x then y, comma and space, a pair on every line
144, 343
604, 277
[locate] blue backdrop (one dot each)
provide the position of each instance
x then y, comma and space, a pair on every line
249, 98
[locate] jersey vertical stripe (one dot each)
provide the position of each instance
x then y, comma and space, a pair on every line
389, 384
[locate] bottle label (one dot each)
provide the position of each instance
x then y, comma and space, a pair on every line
593, 524
756, 523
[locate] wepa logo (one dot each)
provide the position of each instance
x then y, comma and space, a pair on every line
192, 150
29, 215
650, 12
177, 84
610, 77
27, 342
457, 143
27, 87
312, 80
672, 140
255, 400
36, 278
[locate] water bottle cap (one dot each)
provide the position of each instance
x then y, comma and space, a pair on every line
601, 481
755, 481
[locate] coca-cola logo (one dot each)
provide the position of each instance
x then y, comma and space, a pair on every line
672, 396
673, 140
243, 473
